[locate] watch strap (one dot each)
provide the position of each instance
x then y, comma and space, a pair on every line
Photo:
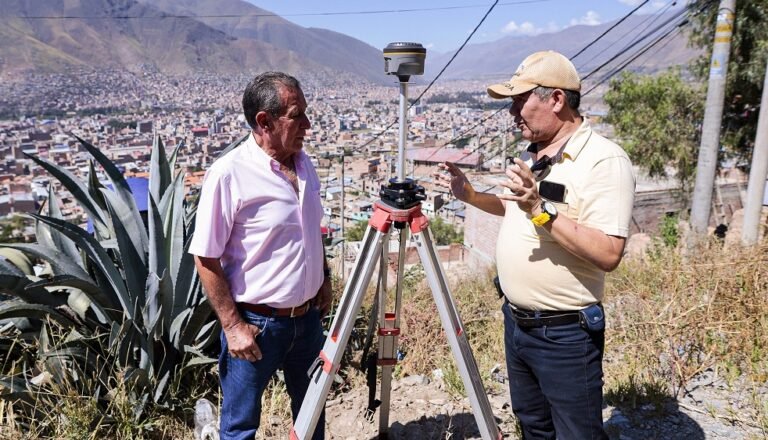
541, 219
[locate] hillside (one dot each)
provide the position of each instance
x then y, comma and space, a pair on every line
501, 57
98, 34
324, 47
233, 36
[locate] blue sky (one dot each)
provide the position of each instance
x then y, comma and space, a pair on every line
449, 22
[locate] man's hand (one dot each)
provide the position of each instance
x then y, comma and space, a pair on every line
324, 298
241, 341
522, 184
458, 182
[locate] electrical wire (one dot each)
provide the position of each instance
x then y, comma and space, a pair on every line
609, 29
676, 28
646, 36
269, 14
624, 65
436, 77
652, 18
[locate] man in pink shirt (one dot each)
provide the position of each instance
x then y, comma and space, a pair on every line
258, 249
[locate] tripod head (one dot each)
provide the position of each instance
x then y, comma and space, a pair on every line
403, 60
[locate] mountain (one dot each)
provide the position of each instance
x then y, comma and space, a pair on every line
94, 34
500, 58
235, 36
244, 20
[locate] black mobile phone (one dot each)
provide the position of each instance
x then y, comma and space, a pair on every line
552, 191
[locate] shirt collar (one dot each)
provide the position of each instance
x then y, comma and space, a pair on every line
578, 140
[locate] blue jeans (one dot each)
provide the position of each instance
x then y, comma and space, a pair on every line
288, 343
555, 380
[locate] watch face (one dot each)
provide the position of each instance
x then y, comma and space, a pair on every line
549, 208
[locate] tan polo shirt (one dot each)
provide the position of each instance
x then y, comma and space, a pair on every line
536, 273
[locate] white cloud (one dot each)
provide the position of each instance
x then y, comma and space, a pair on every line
591, 18
647, 9
429, 45
528, 28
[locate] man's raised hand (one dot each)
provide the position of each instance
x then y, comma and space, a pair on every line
454, 178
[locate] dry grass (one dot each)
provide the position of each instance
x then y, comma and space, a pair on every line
672, 317
669, 319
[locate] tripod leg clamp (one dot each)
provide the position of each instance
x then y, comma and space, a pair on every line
323, 362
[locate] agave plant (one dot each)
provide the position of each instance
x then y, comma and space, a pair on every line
124, 300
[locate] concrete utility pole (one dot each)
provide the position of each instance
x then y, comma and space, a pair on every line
713, 118
757, 174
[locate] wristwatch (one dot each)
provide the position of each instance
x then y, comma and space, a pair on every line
548, 213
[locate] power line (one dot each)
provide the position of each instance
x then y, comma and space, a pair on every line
269, 14
609, 29
652, 18
677, 26
646, 36
438, 75
647, 47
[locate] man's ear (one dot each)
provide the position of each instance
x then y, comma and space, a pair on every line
262, 120
558, 100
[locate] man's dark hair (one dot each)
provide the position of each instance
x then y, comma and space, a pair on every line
572, 98
263, 94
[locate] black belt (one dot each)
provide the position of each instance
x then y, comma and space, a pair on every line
530, 318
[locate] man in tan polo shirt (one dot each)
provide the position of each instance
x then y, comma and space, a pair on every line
566, 204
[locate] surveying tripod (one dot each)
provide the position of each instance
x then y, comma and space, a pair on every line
400, 207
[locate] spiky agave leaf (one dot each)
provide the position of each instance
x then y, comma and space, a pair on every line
59, 262
95, 186
18, 259
171, 211
153, 313
125, 195
79, 192
104, 305
52, 238
159, 170
19, 309
14, 283
133, 259
100, 258
174, 156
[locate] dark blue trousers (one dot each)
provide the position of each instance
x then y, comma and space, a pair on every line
555, 380
288, 343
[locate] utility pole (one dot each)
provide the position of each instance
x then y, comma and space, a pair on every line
713, 116
757, 173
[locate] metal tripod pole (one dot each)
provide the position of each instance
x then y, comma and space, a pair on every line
328, 362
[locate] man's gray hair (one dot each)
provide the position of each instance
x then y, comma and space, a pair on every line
262, 94
572, 98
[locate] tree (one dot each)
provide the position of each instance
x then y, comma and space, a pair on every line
444, 233
746, 68
657, 120
356, 232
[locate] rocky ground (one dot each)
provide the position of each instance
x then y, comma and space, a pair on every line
422, 409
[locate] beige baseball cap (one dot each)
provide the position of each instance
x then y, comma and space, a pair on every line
546, 68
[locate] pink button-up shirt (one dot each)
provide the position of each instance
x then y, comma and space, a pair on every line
267, 237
